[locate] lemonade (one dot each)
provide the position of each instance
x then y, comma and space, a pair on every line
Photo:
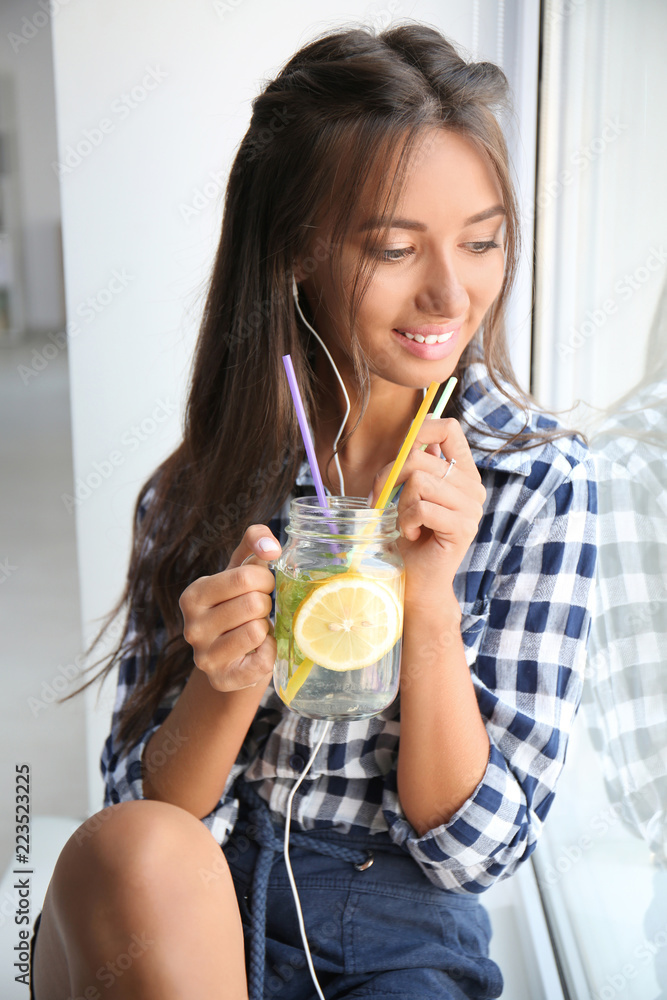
338, 634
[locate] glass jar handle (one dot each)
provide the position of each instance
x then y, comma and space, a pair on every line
271, 563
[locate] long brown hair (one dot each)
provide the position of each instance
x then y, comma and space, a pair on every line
347, 102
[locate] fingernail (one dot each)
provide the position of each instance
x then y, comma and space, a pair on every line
370, 498
268, 545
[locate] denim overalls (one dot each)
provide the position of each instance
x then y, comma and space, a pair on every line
376, 926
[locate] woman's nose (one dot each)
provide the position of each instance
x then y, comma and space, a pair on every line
443, 293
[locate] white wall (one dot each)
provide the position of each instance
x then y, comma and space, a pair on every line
124, 204
26, 76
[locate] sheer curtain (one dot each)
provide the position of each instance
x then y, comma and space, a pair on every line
600, 344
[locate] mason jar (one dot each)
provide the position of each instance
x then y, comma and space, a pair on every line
340, 587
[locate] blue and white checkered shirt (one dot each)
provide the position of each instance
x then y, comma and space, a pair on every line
525, 591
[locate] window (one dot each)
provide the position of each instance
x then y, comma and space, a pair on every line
600, 345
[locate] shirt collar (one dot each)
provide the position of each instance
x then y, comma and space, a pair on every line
486, 410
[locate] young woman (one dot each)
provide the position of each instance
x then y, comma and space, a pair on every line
370, 209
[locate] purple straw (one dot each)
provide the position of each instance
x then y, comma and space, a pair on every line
305, 430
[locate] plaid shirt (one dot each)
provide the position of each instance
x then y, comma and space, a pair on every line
525, 590
625, 691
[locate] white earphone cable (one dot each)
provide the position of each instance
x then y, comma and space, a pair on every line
290, 873
327, 726
295, 293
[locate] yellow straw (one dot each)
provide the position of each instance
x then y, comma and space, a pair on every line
437, 412
296, 681
396, 468
407, 445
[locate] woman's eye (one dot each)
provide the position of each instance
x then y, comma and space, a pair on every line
402, 251
483, 246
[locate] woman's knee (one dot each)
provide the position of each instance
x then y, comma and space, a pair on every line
128, 874
134, 845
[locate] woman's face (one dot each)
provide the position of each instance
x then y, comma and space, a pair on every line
439, 268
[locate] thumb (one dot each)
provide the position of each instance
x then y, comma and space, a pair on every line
258, 540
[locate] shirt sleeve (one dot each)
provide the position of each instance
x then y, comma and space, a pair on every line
528, 679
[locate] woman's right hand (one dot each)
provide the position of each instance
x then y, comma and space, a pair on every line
225, 616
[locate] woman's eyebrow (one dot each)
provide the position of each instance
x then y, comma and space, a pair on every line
376, 223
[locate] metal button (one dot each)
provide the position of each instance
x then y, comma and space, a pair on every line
363, 865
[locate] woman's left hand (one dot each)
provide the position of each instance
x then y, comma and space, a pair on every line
438, 511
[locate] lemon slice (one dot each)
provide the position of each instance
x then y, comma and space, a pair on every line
348, 622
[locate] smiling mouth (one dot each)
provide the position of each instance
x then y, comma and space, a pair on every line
432, 339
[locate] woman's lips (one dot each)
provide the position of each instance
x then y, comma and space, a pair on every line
433, 351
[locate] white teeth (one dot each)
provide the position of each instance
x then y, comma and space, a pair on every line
431, 339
